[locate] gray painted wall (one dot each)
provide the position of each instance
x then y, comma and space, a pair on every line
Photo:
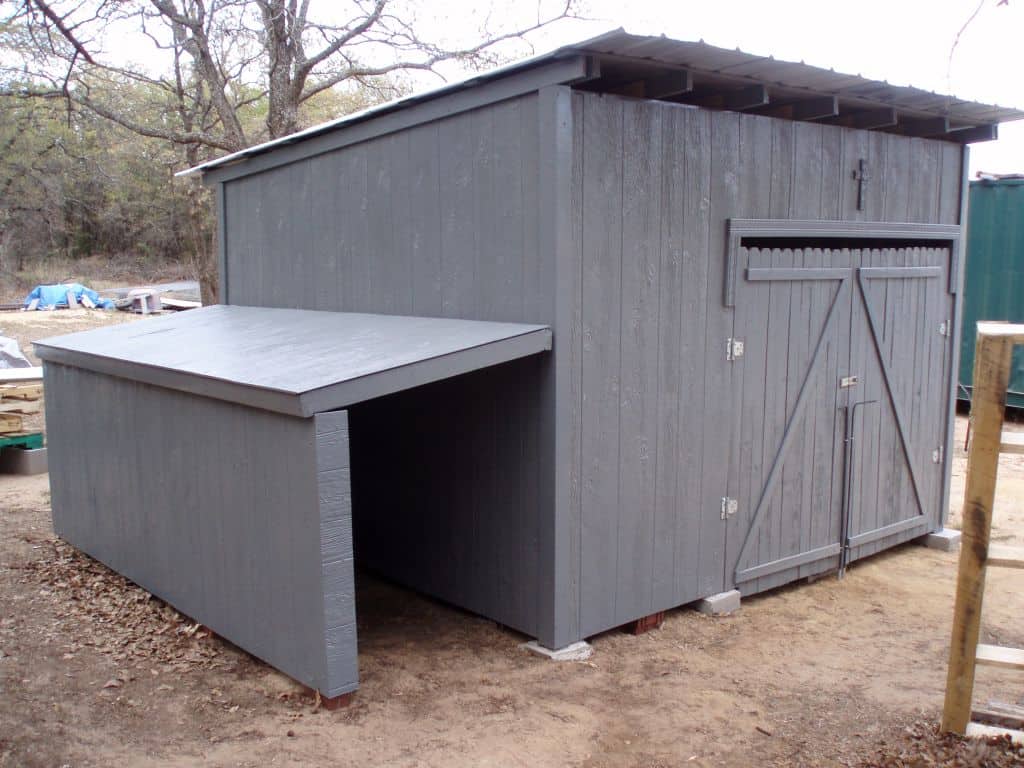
657, 444
240, 518
618, 207
435, 505
440, 220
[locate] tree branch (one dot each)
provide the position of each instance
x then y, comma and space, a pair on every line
65, 32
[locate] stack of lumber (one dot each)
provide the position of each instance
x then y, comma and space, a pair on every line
21, 394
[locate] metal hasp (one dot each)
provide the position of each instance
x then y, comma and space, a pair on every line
849, 427
848, 381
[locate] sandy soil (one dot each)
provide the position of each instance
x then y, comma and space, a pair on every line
823, 674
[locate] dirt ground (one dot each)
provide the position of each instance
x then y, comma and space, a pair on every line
832, 673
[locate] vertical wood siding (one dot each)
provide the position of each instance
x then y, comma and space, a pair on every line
439, 220
462, 525
238, 517
658, 399
465, 217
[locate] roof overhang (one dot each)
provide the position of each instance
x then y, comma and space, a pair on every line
689, 73
293, 361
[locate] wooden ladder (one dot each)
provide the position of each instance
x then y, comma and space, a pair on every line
993, 353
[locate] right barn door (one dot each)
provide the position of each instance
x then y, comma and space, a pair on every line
843, 385
901, 354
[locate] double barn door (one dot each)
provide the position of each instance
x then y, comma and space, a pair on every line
842, 388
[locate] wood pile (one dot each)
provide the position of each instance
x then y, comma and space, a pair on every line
18, 399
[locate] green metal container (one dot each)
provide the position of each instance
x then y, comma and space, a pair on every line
994, 281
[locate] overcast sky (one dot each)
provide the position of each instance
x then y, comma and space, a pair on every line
906, 42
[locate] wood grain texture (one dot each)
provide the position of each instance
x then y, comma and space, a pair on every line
334, 491
988, 403
715, 167
637, 417
208, 499
600, 364
559, 235
445, 489
442, 219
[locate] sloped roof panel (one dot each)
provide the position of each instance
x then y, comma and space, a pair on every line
293, 361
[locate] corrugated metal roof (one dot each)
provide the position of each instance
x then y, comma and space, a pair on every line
702, 58
711, 66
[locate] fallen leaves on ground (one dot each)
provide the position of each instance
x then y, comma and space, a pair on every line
922, 746
101, 609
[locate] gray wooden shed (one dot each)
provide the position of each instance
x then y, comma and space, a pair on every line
750, 272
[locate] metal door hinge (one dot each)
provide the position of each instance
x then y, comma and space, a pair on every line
944, 328
938, 454
729, 507
733, 349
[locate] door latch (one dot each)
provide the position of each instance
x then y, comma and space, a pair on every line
848, 381
944, 328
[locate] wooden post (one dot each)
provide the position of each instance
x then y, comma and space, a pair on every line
991, 378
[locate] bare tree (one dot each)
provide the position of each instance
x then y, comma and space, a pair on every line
237, 51
230, 73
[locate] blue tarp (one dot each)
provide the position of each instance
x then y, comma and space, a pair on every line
57, 296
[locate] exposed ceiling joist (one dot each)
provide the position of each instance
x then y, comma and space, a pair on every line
660, 85
816, 109
923, 126
748, 97
975, 134
865, 119
804, 109
669, 84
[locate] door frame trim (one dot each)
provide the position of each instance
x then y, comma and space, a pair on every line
738, 229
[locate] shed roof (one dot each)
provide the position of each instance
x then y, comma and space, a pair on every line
697, 73
293, 361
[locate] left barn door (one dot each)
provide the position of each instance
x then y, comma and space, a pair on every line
793, 313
